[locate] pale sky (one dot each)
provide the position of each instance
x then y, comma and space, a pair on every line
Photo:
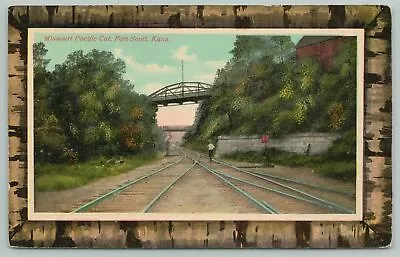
153, 63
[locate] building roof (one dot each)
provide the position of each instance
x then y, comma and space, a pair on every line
313, 40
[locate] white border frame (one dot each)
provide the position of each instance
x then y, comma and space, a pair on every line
37, 216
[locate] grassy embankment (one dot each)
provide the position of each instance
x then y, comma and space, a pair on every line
338, 162
324, 164
53, 177
199, 146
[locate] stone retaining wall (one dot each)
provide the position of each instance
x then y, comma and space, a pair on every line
295, 143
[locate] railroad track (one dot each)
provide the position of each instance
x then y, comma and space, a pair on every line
239, 190
247, 181
310, 185
128, 185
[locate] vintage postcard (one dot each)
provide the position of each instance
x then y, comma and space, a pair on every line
163, 124
200, 126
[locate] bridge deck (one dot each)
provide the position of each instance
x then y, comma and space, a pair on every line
188, 97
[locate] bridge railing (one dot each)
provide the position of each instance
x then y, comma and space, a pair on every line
182, 88
174, 92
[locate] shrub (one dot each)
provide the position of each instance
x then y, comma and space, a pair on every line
338, 170
198, 145
69, 155
49, 177
57, 182
284, 123
344, 148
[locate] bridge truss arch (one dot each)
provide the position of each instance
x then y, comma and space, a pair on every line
189, 91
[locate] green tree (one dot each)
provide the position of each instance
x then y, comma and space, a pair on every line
263, 89
338, 90
85, 108
50, 139
253, 74
84, 94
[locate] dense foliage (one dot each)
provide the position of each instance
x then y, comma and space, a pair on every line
84, 108
263, 89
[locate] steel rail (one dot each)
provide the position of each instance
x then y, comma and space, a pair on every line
253, 200
278, 191
271, 207
121, 188
155, 199
301, 183
285, 186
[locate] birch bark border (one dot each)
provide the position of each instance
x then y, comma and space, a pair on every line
373, 231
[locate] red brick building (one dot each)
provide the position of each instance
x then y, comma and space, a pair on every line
322, 48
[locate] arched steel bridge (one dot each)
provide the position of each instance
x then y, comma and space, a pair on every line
190, 91
176, 128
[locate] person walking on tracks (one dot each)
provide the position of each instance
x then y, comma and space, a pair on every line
211, 148
168, 145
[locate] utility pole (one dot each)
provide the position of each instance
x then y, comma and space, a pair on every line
182, 77
182, 70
